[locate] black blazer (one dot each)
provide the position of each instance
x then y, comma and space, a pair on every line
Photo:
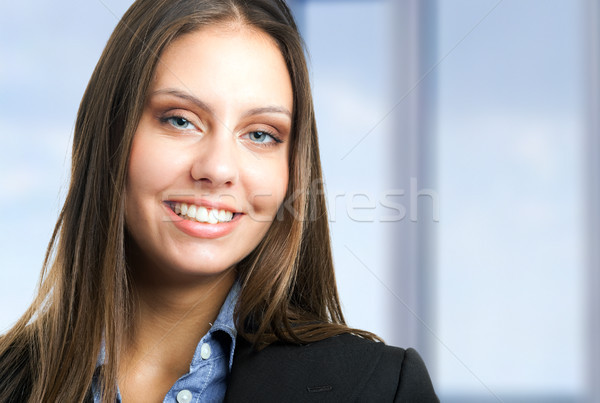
344, 368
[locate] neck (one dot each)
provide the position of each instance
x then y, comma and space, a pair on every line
168, 300
171, 318
196, 301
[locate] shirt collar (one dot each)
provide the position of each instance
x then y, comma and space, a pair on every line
225, 322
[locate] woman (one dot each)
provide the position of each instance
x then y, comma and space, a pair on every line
191, 260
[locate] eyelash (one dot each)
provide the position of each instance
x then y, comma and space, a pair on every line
276, 140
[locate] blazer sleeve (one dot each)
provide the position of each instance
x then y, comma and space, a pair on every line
414, 384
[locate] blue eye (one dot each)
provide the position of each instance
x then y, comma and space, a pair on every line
261, 137
179, 123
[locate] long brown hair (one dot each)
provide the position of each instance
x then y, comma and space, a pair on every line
85, 295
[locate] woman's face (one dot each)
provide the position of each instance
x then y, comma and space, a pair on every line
209, 161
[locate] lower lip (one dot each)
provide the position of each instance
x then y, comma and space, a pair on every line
200, 229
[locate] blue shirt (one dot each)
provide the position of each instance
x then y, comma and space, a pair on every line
207, 379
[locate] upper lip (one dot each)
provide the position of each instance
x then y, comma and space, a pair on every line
204, 203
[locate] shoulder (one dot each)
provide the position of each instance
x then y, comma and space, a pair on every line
340, 368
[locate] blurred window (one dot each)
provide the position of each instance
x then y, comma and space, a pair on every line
507, 321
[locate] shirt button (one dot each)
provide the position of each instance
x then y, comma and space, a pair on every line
184, 396
205, 351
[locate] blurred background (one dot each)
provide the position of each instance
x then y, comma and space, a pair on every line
460, 147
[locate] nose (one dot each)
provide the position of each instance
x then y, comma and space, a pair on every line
216, 163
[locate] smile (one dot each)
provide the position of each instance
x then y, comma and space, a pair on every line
201, 214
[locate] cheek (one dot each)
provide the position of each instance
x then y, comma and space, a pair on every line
138, 185
140, 167
152, 166
266, 187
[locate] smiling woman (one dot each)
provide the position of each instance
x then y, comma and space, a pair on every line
210, 138
191, 260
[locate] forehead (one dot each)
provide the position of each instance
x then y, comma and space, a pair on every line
223, 63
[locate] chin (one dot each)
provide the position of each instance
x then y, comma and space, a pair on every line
205, 265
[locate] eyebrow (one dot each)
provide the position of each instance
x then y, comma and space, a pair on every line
206, 107
268, 109
187, 97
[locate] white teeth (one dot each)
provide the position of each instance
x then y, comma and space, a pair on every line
202, 214
224, 215
213, 216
